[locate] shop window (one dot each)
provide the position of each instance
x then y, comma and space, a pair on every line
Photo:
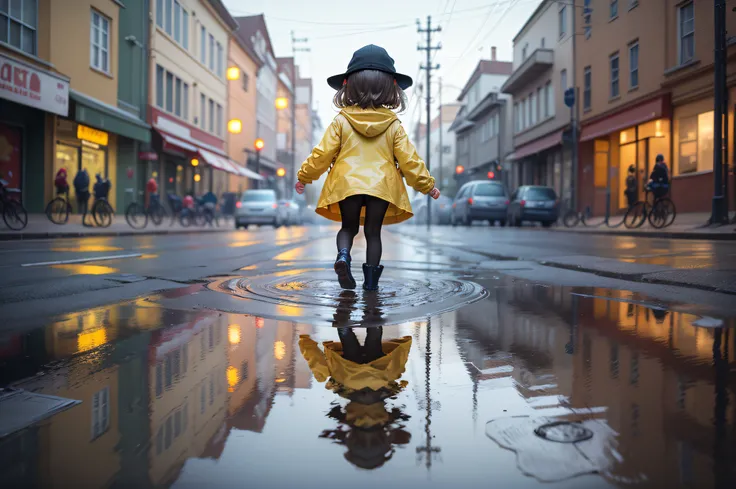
93, 159
686, 34
695, 146
100, 42
18, 22
587, 80
601, 163
634, 65
613, 61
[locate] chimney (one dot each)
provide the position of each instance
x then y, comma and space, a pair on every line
493, 53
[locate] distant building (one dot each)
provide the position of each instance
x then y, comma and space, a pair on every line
442, 159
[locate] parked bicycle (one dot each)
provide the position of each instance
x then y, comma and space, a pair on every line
102, 211
137, 215
59, 208
14, 214
661, 213
198, 212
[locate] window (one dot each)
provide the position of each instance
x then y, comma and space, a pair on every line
100, 412
614, 75
100, 42
160, 13
524, 119
687, 32
202, 111
541, 44
516, 117
219, 120
533, 108
541, 103
167, 17
219, 60
169, 92
246, 81
614, 9
562, 21
177, 22
159, 86
185, 29
696, 143
587, 80
633, 3
634, 65
203, 45
212, 53
524, 51
185, 114
211, 116
563, 80
177, 98
549, 100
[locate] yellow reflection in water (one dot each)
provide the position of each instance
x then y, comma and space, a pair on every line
148, 256
296, 271
291, 311
291, 286
285, 264
292, 254
243, 244
91, 339
88, 248
280, 380
81, 269
279, 350
250, 267
233, 377
233, 334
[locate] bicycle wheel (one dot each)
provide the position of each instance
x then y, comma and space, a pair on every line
57, 211
672, 213
157, 214
635, 215
662, 210
571, 219
136, 216
15, 215
186, 218
102, 213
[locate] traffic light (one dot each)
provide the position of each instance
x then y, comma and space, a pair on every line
491, 175
459, 169
259, 144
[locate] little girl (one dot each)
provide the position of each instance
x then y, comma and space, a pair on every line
367, 152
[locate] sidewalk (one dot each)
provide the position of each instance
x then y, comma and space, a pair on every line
686, 226
39, 227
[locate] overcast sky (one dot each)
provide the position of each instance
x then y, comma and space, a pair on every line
336, 29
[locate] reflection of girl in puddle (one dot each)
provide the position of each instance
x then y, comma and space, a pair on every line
366, 375
347, 304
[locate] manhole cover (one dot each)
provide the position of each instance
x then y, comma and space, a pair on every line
564, 432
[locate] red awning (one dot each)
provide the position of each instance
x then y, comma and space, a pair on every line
653, 109
211, 156
217, 161
537, 145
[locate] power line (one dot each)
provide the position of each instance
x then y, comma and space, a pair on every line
343, 34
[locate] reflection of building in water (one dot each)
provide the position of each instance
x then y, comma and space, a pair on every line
188, 385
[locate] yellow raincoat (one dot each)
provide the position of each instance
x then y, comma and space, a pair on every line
379, 373
371, 153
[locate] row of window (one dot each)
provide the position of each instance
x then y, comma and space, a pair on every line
173, 18
18, 23
614, 64
538, 106
490, 128
172, 96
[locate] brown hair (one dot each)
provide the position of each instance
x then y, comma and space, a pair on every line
370, 89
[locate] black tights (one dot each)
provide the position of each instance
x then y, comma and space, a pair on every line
351, 349
375, 210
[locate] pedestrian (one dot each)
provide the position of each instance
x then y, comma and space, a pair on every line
81, 189
632, 191
659, 180
367, 152
61, 183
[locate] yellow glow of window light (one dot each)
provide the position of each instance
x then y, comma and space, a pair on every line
233, 376
233, 73
235, 126
282, 103
279, 350
233, 334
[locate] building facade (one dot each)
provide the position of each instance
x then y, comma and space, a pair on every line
542, 72
442, 141
481, 126
188, 86
285, 114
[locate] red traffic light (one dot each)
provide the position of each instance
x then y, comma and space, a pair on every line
259, 144
459, 169
491, 175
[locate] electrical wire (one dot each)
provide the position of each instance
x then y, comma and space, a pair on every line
358, 33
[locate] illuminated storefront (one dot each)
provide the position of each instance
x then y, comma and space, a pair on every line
80, 147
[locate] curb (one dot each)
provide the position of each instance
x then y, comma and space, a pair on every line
21, 236
691, 235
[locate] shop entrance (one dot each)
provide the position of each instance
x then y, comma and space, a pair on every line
639, 146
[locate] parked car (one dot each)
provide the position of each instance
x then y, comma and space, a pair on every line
480, 200
535, 204
292, 211
440, 210
259, 207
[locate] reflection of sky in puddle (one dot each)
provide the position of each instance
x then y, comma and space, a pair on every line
82, 269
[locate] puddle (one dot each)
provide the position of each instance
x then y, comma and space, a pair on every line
171, 397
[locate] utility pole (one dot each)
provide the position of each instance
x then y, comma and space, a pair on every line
294, 50
442, 148
429, 68
717, 214
574, 111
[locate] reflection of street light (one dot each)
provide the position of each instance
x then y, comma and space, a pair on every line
282, 103
195, 162
233, 378
233, 73
234, 126
280, 172
279, 350
233, 334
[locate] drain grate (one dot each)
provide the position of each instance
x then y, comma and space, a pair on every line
564, 432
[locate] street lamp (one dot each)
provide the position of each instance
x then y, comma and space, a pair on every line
259, 145
233, 73
195, 162
235, 126
280, 172
282, 103
197, 177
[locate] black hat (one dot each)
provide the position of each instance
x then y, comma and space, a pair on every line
370, 57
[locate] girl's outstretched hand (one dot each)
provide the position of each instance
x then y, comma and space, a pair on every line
435, 193
299, 188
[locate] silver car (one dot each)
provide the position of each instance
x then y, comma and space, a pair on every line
292, 212
259, 207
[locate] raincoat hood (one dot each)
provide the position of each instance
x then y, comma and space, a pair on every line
369, 122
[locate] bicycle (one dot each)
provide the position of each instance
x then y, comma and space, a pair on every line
137, 215
15, 215
59, 208
571, 218
102, 212
661, 213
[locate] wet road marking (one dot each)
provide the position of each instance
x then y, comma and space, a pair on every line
81, 260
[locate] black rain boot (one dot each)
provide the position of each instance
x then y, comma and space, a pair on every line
342, 268
371, 274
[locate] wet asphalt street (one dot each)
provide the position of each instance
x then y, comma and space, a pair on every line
200, 361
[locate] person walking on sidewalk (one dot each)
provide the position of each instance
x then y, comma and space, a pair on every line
367, 152
632, 187
81, 189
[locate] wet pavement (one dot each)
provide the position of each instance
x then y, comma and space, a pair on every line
265, 374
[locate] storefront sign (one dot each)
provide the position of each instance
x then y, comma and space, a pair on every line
92, 135
24, 84
148, 156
